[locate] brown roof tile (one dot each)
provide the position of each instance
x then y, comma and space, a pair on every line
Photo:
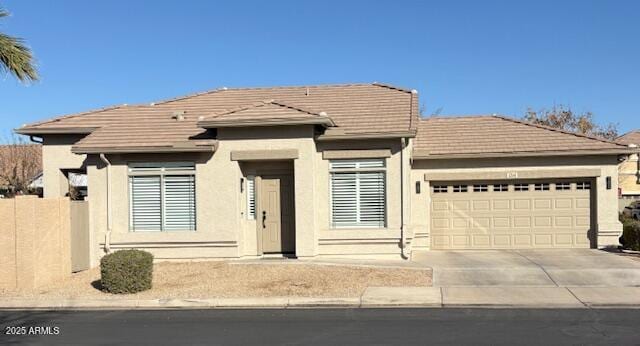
632, 137
487, 136
354, 108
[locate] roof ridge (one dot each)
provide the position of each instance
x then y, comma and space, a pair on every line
68, 116
446, 117
628, 133
549, 128
393, 87
220, 89
263, 103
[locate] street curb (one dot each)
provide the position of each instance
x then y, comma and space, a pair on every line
154, 304
260, 303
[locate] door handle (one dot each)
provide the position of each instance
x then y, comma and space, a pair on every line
264, 218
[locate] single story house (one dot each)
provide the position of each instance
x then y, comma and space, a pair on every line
332, 170
630, 170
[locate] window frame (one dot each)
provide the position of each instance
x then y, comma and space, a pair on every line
563, 184
440, 188
506, 186
250, 182
481, 188
161, 170
460, 188
341, 170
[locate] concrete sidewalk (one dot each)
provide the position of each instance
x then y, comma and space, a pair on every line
376, 297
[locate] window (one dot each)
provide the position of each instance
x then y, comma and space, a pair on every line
251, 198
460, 188
520, 187
541, 187
440, 189
501, 187
563, 186
583, 185
358, 196
162, 196
480, 188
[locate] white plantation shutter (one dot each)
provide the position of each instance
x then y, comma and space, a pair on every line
162, 196
146, 207
251, 198
344, 199
371, 195
179, 203
358, 193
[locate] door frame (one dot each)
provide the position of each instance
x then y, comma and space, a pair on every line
258, 188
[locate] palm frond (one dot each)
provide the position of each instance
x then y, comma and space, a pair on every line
15, 57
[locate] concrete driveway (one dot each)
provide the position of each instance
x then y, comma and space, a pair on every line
543, 268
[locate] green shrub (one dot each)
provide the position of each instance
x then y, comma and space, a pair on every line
126, 271
631, 234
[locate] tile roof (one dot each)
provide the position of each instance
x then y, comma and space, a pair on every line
354, 108
494, 136
269, 112
632, 137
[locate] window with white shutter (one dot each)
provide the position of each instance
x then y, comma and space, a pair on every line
251, 198
358, 193
162, 196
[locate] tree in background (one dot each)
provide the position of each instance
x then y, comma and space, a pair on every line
20, 162
563, 118
16, 57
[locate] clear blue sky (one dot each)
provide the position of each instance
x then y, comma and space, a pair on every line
464, 57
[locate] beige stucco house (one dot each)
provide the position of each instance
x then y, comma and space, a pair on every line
331, 171
629, 172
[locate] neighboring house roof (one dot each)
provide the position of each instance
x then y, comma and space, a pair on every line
632, 137
496, 136
12, 151
356, 110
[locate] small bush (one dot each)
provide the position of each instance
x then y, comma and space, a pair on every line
126, 271
631, 235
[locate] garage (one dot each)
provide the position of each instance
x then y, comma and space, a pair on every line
517, 214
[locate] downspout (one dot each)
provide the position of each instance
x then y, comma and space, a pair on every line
107, 236
403, 237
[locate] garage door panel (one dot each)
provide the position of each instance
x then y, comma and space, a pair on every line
563, 203
501, 204
583, 203
563, 221
543, 204
487, 218
481, 205
522, 222
521, 204
501, 222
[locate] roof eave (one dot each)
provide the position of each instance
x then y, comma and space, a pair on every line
365, 135
144, 149
54, 131
324, 121
424, 154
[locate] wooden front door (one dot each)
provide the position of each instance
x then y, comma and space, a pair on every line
277, 216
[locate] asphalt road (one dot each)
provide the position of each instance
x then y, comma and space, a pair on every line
324, 326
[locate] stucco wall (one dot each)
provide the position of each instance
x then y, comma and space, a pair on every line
56, 157
34, 242
222, 227
223, 230
606, 214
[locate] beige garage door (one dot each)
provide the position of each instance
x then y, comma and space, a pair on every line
510, 215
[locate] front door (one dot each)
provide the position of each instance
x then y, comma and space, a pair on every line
277, 216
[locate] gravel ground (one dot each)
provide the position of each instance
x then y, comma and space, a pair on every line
220, 279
